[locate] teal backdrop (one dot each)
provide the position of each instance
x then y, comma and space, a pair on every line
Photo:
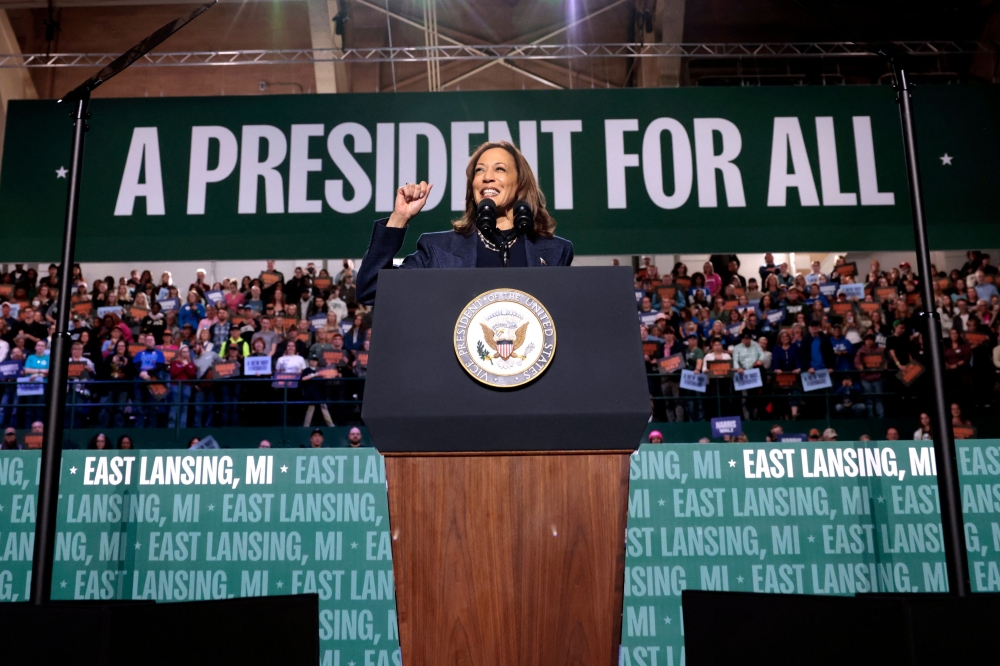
751, 517
624, 171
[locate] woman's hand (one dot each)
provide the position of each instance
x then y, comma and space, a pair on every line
410, 199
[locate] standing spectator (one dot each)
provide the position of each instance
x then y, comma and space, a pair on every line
228, 389
36, 368
356, 336
871, 378
119, 371
204, 360
192, 311
746, 356
266, 334
924, 431
234, 299
719, 387
713, 282
220, 330
314, 392
957, 354
785, 359
150, 367
182, 373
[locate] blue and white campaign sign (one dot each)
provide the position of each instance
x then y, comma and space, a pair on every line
829, 289
648, 318
727, 425
775, 316
170, 304
813, 381
109, 310
694, 381
317, 322
30, 386
793, 437
15, 309
10, 369
215, 296
853, 291
749, 379
257, 366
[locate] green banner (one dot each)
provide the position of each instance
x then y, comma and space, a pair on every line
624, 171
850, 518
853, 518
207, 525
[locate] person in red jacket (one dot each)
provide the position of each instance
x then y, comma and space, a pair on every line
182, 373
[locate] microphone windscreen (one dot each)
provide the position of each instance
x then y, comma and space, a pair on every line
487, 204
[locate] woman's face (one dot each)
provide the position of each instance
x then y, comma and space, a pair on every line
126, 443
495, 177
121, 348
101, 442
953, 335
708, 268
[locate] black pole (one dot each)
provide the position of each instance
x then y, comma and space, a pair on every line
944, 445
55, 406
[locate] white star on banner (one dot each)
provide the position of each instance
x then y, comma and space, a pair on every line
739, 579
280, 584
284, 468
1, 507
211, 507
666, 620
63, 585
72, 470
880, 499
946, 159
662, 502
61, 172
354, 544
811, 539
732, 463
138, 546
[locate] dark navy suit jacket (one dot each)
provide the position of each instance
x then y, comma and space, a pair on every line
444, 249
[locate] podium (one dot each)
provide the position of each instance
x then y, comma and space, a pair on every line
507, 506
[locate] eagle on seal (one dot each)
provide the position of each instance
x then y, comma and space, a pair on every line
504, 347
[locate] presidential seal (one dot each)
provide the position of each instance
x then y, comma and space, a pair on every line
505, 338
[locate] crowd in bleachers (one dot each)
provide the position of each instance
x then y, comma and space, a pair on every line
148, 353
270, 348
857, 325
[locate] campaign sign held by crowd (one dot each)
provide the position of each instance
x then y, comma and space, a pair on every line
852, 291
813, 381
727, 425
170, 304
256, 366
748, 379
694, 381
10, 369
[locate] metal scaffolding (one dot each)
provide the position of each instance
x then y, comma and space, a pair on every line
500, 53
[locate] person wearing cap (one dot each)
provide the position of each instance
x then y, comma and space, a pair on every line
316, 439
9, 440
814, 435
656, 437
816, 352
829, 435
315, 390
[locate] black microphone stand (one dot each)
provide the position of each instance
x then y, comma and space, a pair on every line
48, 484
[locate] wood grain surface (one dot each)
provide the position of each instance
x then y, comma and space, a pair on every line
512, 560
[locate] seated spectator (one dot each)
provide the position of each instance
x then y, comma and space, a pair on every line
846, 400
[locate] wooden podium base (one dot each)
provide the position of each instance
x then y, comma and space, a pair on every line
509, 559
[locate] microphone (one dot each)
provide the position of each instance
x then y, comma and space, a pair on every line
486, 217
524, 219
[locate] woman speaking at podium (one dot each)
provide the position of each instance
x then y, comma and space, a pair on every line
522, 230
